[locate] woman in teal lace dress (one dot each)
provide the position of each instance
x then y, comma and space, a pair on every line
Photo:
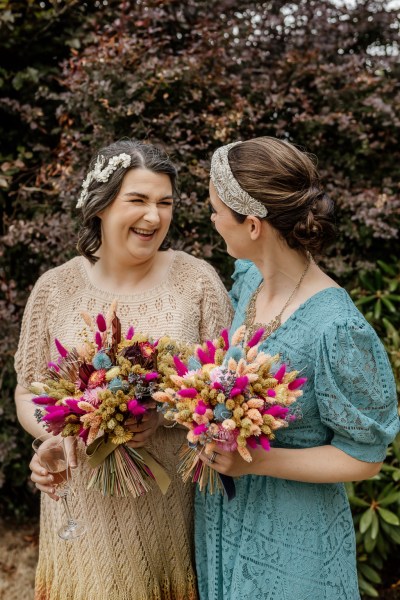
288, 533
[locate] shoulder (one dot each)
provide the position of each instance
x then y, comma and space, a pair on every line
53, 282
345, 335
191, 265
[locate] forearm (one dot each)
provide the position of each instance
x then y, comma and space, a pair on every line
324, 464
25, 412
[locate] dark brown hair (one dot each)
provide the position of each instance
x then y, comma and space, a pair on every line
286, 181
102, 194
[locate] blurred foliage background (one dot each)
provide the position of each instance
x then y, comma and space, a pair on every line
191, 75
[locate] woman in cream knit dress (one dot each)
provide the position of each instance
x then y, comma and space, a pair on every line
134, 549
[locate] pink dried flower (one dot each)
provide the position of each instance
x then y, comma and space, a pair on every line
130, 333
101, 323
62, 351
188, 393
256, 338
297, 383
181, 368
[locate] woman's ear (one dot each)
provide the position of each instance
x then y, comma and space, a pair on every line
254, 227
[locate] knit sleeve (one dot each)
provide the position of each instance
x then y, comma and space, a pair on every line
355, 390
33, 351
216, 308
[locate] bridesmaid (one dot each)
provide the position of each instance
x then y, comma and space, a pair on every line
288, 534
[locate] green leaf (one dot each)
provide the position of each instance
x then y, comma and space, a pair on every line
388, 304
369, 543
390, 499
374, 526
355, 501
366, 520
378, 309
369, 573
367, 588
388, 269
388, 516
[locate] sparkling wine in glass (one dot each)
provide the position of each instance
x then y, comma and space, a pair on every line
53, 455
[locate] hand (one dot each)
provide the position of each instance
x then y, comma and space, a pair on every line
231, 463
44, 480
144, 429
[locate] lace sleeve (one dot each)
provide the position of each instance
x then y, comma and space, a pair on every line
33, 352
355, 390
216, 309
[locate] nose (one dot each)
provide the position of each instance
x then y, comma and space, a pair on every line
152, 215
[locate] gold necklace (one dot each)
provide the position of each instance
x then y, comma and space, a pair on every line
252, 327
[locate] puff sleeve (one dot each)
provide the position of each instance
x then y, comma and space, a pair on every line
355, 390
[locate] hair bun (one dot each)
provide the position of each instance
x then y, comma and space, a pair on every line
315, 230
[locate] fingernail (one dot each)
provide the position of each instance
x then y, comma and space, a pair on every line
50, 478
43, 472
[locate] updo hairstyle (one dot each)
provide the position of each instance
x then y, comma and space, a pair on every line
102, 194
286, 181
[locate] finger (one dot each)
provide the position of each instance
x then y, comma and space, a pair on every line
36, 467
49, 491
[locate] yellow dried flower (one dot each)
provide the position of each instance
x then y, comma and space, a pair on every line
124, 437
111, 424
113, 372
230, 404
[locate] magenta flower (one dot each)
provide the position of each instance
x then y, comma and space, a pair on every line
256, 338
44, 400
201, 408
101, 323
188, 393
225, 337
279, 412
279, 375
199, 429
61, 350
53, 365
130, 333
151, 376
181, 368
297, 383
135, 408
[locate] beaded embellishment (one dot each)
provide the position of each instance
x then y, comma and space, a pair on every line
102, 174
228, 189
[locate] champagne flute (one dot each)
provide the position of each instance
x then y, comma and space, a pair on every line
53, 455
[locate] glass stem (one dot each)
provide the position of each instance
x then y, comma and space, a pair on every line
71, 521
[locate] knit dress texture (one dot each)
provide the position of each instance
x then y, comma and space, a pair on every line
288, 540
134, 548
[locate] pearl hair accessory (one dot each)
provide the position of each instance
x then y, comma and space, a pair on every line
101, 174
228, 188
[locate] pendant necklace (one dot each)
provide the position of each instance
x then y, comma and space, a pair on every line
252, 327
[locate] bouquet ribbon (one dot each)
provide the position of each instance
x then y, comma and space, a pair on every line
98, 451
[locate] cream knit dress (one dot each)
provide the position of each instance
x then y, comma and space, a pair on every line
134, 549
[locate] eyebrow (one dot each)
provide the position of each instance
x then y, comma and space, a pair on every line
146, 197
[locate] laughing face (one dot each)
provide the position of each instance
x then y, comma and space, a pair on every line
134, 226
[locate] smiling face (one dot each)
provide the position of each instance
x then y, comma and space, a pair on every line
134, 226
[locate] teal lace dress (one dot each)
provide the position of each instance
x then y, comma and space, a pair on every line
287, 540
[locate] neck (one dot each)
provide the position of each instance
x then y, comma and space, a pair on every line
112, 274
281, 267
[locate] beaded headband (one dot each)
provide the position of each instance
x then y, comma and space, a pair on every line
102, 174
228, 188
